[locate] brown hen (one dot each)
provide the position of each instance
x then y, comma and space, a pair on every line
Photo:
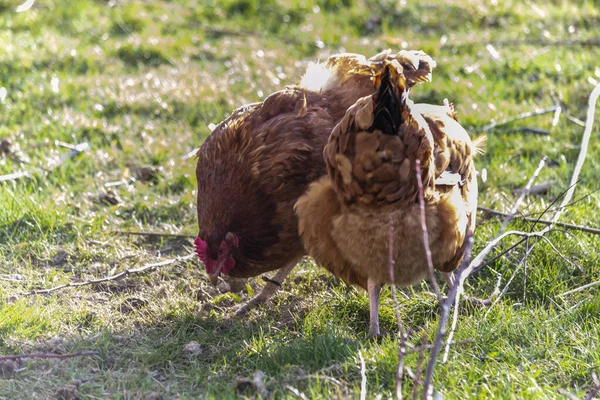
371, 156
255, 165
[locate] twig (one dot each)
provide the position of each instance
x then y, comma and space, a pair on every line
363, 377
452, 330
401, 333
436, 288
595, 389
525, 129
585, 140
125, 273
531, 42
49, 355
524, 192
430, 346
576, 121
543, 221
154, 234
580, 289
14, 176
296, 392
445, 306
528, 114
419, 369
314, 376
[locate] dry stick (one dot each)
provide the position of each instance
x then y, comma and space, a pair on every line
576, 171
49, 355
466, 270
419, 369
424, 230
430, 346
155, 234
579, 289
363, 377
513, 212
543, 221
401, 333
524, 192
585, 140
125, 273
445, 306
491, 126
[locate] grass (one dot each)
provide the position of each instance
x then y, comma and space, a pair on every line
142, 82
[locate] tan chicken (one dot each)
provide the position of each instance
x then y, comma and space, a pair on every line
255, 165
371, 156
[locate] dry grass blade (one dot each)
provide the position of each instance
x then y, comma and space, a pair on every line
491, 126
580, 288
49, 355
542, 221
363, 377
123, 274
155, 234
401, 333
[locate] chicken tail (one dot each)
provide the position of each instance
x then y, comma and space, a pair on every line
390, 99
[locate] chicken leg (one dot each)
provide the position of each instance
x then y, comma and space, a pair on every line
268, 290
374, 290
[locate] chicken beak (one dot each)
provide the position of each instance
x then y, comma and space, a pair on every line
214, 277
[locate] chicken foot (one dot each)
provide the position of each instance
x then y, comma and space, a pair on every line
374, 290
268, 290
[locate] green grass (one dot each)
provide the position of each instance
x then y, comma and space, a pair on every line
141, 82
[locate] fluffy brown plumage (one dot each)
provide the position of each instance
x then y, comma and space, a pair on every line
371, 156
255, 165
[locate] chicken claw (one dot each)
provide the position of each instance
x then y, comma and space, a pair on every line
267, 291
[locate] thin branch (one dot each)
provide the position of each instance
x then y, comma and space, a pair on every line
585, 140
543, 221
401, 333
49, 355
524, 115
436, 288
580, 289
296, 392
452, 330
524, 192
430, 346
123, 274
363, 377
154, 234
419, 369
14, 176
445, 305
530, 42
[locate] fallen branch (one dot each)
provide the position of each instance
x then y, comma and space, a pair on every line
123, 274
542, 221
155, 234
14, 176
528, 114
580, 289
49, 355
